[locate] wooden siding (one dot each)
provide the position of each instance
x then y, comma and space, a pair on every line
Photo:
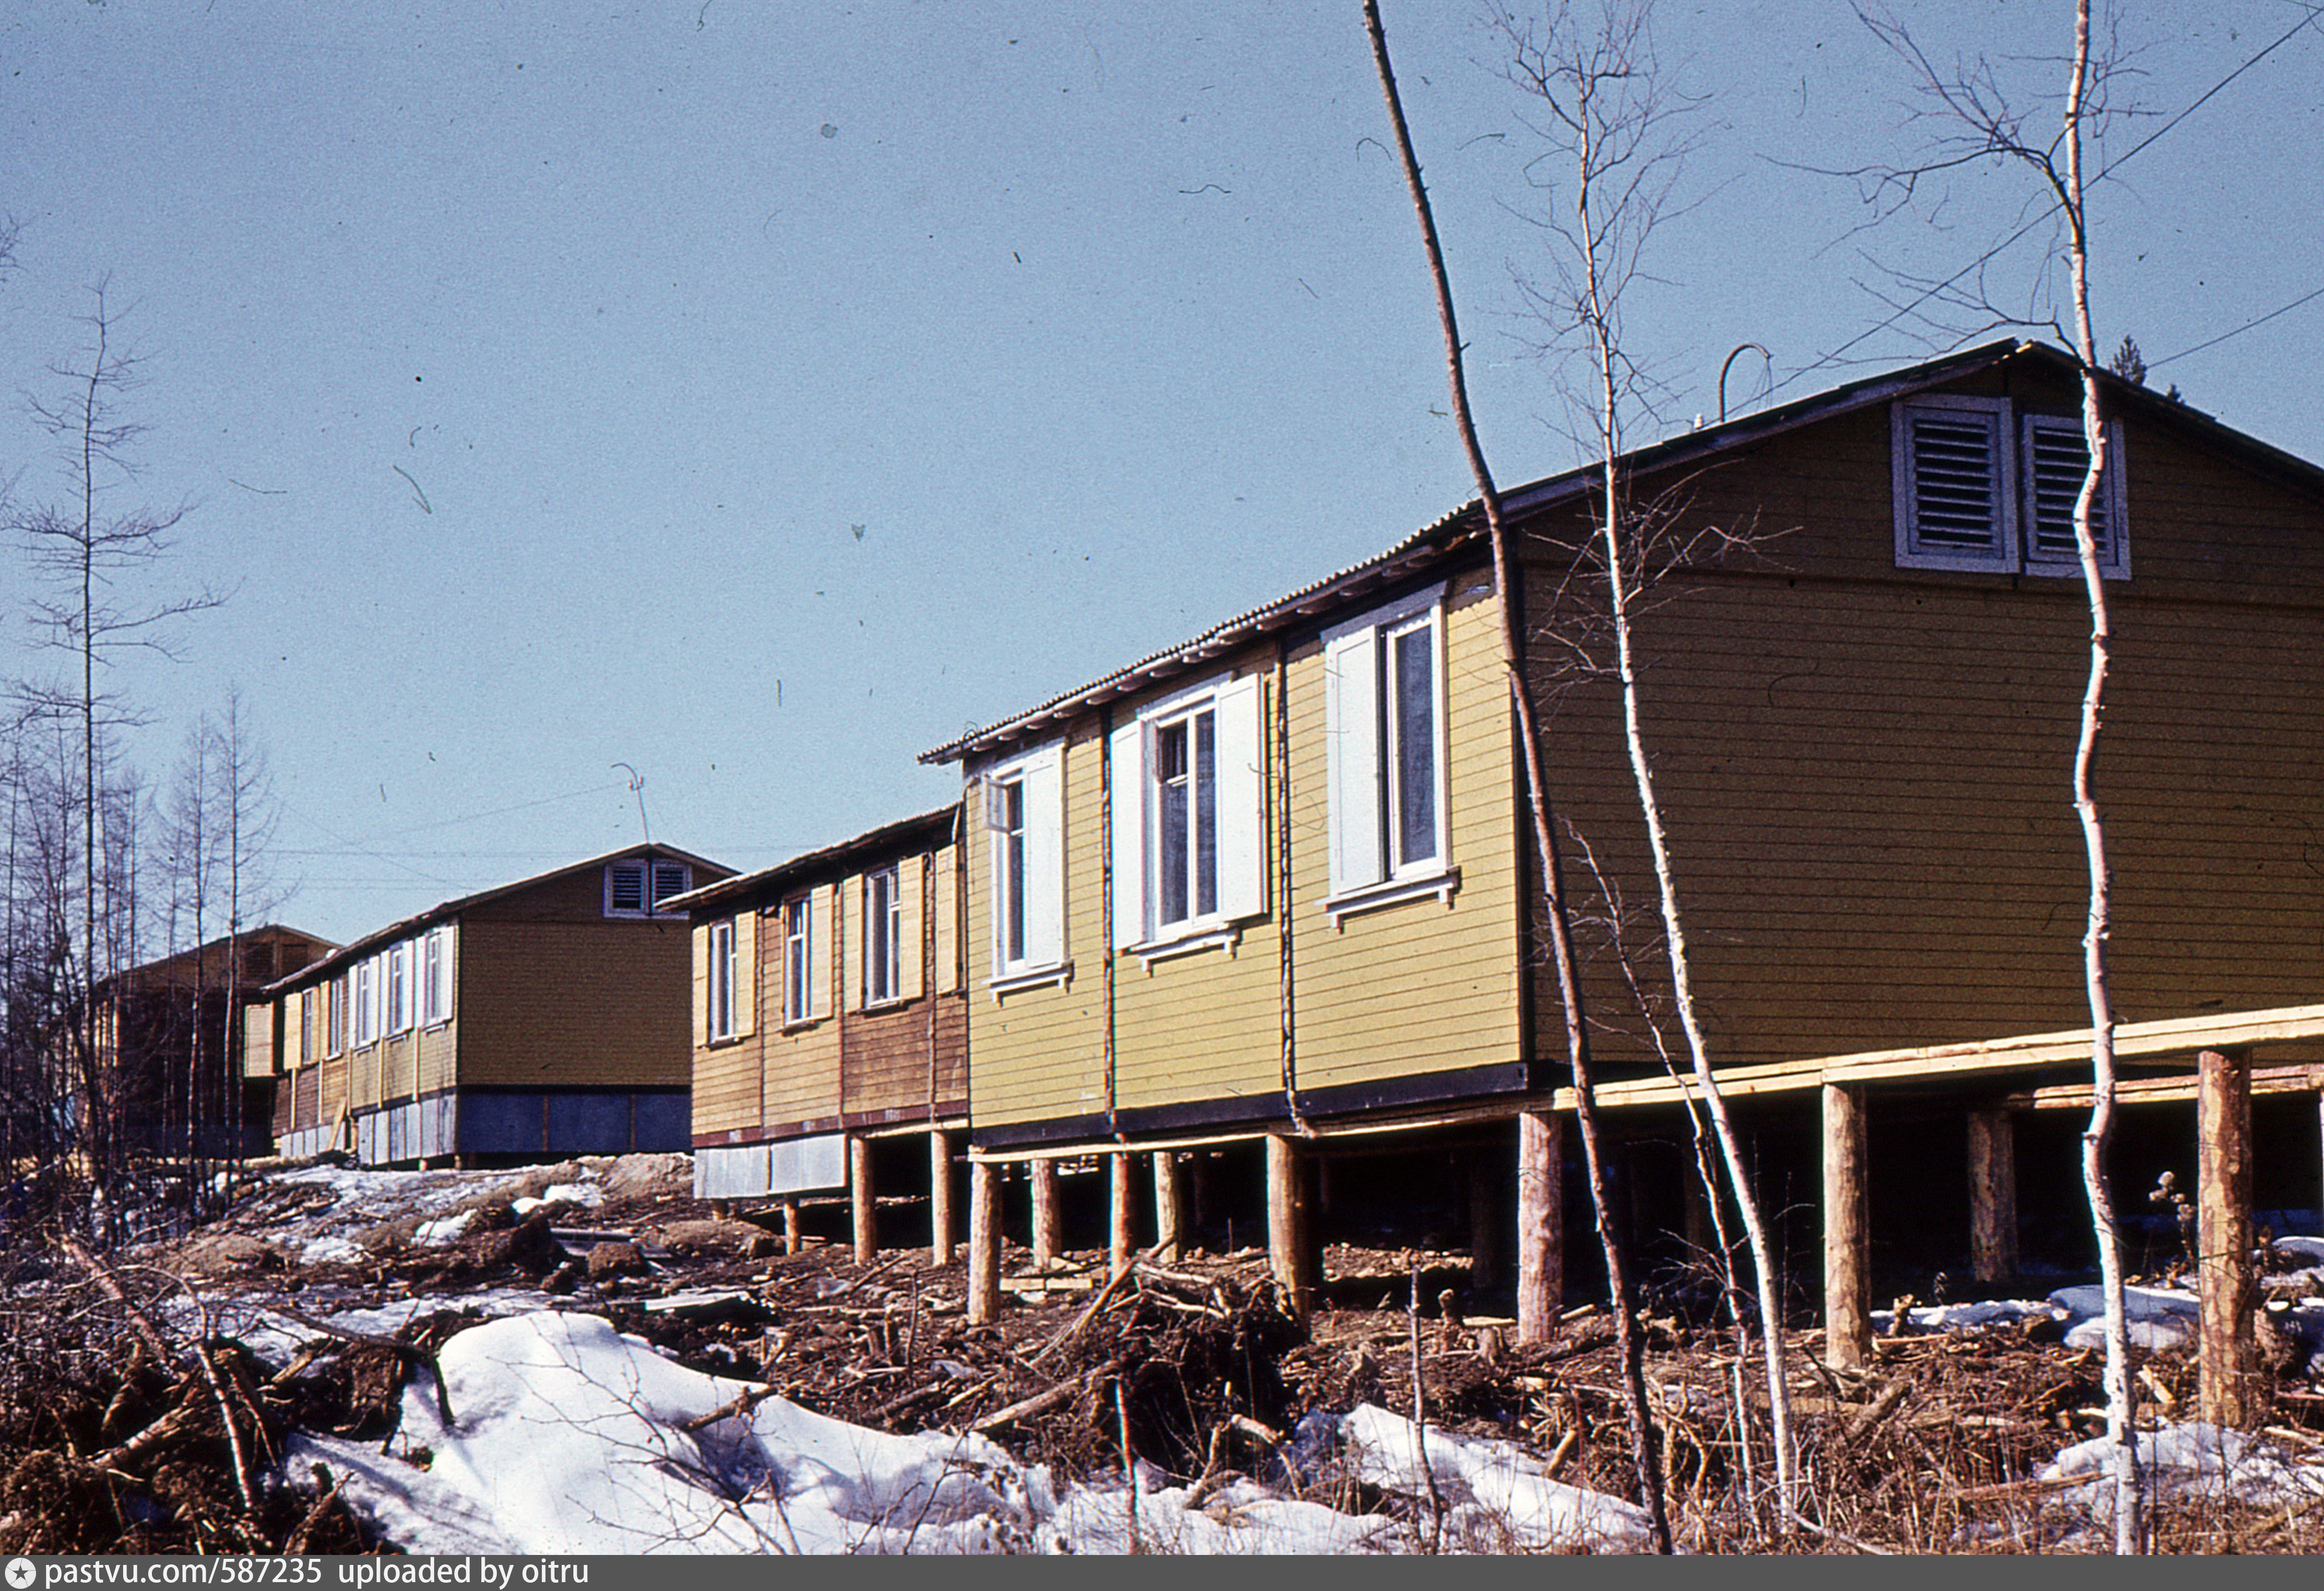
1039, 1053
548, 1003
799, 1080
1421, 987
1866, 771
726, 1074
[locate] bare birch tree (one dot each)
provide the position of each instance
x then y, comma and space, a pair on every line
1645, 1453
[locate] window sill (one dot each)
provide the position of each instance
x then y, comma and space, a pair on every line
724, 1040
892, 1003
803, 1025
1192, 942
1061, 974
1339, 907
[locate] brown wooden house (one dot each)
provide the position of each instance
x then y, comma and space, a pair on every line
1275, 887
167, 1034
829, 1014
540, 1019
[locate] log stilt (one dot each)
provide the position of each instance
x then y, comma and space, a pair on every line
1048, 1227
1541, 1226
794, 1240
1169, 1208
983, 1243
1847, 1286
1992, 1195
2224, 1234
1484, 1225
942, 1232
1286, 1225
862, 1205
1702, 1232
1121, 1222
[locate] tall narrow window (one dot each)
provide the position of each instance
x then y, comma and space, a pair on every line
306, 1026
1410, 701
335, 1016
366, 993
721, 979
1186, 819
882, 937
1011, 856
799, 945
399, 987
435, 973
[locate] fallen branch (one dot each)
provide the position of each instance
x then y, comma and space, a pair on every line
1041, 1402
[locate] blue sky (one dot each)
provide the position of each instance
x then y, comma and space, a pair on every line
759, 396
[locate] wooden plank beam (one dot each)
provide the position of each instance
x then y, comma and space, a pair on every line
1846, 1284
2158, 1091
2223, 1226
942, 1232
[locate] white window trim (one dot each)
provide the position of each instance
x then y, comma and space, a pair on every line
432, 1016
2115, 563
722, 1012
894, 996
1437, 875
795, 1020
401, 1016
1154, 941
1031, 972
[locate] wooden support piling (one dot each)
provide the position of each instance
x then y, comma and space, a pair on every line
2224, 1270
1286, 1225
1992, 1195
1048, 1226
1484, 1225
1541, 1226
794, 1240
942, 1232
983, 1243
1121, 1233
862, 1205
1169, 1207
1846, 1284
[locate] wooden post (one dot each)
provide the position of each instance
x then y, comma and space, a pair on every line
1286, 1223
1484, 1230
983, 1243
1541, 1225
941, 1230
1847, 1286
862, 1209
1992, 1195
1121, 1239
794, 1240
1047, 1228
2224, 1234
1169, 1211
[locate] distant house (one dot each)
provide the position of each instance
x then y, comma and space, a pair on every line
167, 1034
543, 1018
829, 1004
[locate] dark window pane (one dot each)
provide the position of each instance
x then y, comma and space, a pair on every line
1206, 814
1012, 813
1415, 746
1170, 855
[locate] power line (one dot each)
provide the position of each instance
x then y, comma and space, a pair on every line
2247, 326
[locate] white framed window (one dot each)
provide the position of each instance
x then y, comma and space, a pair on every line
335, 1016
636, 886
366, 1001
1981, 487
1384, 726
1188, 810
1024, 822
306, 1026
805, 997
884, 936
436, 977
721, 979
399, 987
2057, 456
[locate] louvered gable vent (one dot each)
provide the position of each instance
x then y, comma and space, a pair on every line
2056, 460
1951, 475
626, 886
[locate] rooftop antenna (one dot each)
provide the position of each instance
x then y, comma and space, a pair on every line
638, 789
1723, 368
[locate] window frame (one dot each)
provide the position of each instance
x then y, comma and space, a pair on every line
1187, 719
400, 1010
438, 995
648, 872
1015, 879
798, 959
335, 1017
883, 937
1364, 785
721, 1024
2114, 558
364, 993
2012, 430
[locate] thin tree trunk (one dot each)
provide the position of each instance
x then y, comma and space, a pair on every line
2121, 1428
1629, 1346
